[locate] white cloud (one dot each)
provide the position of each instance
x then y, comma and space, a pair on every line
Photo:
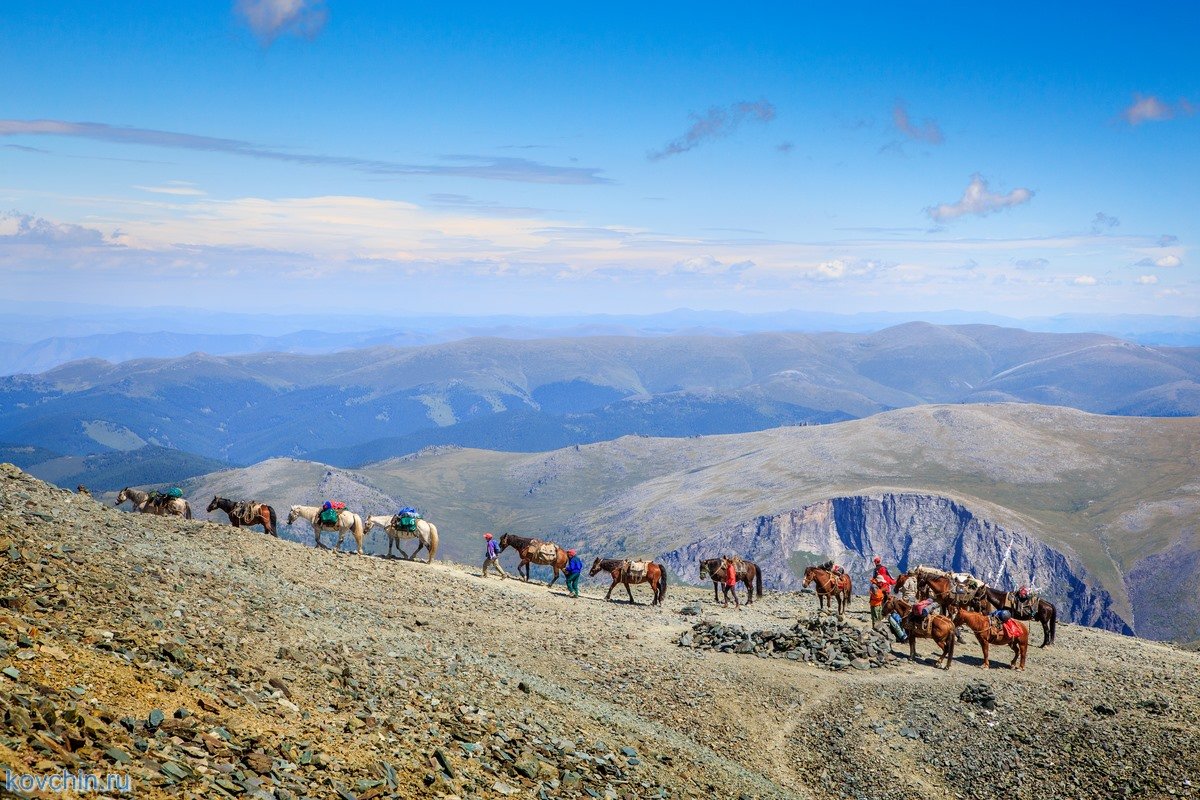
844, 269
1147, 280
707, 265
269, 19
1084, 280
1168, 293
1151, 109
978, 200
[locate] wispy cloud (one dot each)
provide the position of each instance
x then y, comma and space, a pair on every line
840, 269
270, 19
1166, 240
1148, 108
928, 131
978, 200
176, 188
1031, 263
1103, 222
1084, 280
1147, 280
496, 168
1163, 262
716, 123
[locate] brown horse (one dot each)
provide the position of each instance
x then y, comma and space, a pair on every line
530, 551
830, 587
987, 634
941, 630
244, 513
747, 572
621, 572
1044, 612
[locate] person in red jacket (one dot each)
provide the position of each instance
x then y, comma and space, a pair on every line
876, 598
886, 581
731, 583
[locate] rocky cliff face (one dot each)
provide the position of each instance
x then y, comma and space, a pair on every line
905, 530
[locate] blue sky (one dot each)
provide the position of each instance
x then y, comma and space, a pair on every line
560, 158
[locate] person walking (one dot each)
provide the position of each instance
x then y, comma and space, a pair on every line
731, 583
491, 557
573, 571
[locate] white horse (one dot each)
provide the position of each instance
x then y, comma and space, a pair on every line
347, 521
426, 531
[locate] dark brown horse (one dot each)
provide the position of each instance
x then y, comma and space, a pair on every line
747, 572
940, 585
1044, 611
989, 634
941, 630
830, 587
535, 551
621, 572
245, 513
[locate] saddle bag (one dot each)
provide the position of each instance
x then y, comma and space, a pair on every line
637, 569
174, 493
407, 523
548, 551
328, 517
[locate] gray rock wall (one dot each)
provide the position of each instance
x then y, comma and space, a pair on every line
905, 530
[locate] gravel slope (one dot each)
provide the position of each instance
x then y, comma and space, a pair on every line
282, 671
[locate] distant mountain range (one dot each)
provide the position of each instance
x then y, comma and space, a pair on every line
50, 335
1101, 513
529, 395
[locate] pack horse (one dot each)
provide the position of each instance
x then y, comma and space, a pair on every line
345, 521
245, 513
401, 526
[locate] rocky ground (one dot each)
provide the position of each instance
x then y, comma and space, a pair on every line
203, 661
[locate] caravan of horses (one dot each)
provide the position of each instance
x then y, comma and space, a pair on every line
963, 601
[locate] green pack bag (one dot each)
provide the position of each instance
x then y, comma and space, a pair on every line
175, 492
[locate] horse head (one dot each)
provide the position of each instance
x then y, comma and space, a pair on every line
213, 505
595, 567
122, 496
505, 541
293, 513
810, 575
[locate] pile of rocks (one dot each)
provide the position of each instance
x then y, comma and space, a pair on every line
980, 694
822, 640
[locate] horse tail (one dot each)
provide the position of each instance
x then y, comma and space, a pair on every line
1053, 620
758, 580
358, 527
662, 583
274, 520
433, 543
187, 510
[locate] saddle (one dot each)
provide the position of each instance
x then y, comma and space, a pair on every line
965, 588
547, 551
636, 569
1024, 607
246, 512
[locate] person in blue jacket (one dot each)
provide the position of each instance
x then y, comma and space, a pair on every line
491, 556
573, 570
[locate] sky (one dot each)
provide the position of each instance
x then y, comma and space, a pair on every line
360, 158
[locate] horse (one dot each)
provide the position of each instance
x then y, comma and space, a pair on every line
161, 504
941, 630
987, 634
619, 569
530, 551
1045, 612
830, 587
940, 585
748, 573
347, 521
426, 533
246, 513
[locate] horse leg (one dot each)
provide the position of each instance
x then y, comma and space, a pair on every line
555, 578
413, 557
630, 591
608, 595
317, 537
749, 593
716, 597
983, 644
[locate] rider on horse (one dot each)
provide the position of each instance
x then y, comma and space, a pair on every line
886, 581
